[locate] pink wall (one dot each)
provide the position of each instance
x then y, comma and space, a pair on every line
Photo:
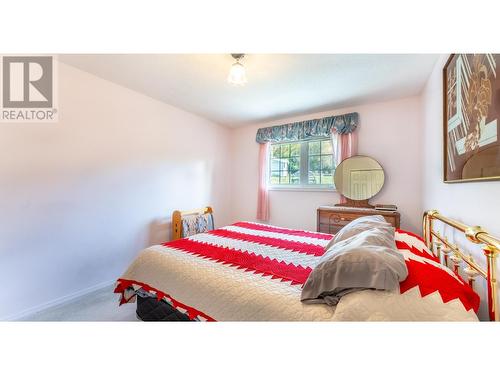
80, 198
390, 132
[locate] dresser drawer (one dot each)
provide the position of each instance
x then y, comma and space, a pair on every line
329, 228
331, 220
338, 218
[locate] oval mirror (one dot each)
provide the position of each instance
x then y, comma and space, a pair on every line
359, 178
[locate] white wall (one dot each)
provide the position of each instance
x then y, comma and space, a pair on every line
471, 202
474, 203
390, 132
80, 198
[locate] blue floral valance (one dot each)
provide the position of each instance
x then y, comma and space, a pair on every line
303, 130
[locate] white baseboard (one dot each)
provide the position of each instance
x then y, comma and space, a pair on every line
56, 302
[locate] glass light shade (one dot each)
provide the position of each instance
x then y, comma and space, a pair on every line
237, 75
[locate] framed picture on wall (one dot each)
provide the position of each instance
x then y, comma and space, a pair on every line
471, 93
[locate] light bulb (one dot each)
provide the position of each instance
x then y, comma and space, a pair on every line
237, 75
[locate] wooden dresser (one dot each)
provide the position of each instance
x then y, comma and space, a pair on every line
331, 219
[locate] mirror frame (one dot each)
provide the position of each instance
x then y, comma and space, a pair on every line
363, 203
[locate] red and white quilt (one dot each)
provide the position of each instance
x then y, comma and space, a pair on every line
249, 271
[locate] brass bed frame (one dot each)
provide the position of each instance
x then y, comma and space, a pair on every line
440, 245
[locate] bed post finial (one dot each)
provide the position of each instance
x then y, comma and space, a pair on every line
432, 213
427, 226
176, 225
472, 232
491, 253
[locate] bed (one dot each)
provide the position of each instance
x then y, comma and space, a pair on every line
254, 272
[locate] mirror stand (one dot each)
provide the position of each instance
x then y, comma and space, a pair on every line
355, 203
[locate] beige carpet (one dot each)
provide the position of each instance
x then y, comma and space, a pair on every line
101, 305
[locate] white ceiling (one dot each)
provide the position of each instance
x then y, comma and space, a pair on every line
278, 85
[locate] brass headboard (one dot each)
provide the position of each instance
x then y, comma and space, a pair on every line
440, 244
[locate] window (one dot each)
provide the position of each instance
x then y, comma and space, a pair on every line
307, 164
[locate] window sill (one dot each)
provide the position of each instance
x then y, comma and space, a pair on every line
300, 188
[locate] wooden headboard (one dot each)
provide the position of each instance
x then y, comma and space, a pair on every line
177, 219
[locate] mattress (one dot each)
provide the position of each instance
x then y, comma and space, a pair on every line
255, 272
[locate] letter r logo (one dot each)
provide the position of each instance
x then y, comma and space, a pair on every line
27, 81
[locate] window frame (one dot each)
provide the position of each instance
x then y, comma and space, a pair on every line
303, 167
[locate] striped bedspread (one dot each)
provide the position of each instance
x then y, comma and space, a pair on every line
249, 271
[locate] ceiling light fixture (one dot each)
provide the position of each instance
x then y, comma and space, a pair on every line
237, 75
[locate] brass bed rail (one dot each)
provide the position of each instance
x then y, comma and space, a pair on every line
441, 245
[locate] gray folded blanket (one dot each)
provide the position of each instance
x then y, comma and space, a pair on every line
367, 260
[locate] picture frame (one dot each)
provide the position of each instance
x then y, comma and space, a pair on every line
471, 118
